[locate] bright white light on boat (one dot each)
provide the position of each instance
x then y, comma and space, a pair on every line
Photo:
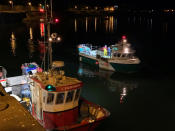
58, 38
124, 40
126, 50
124, 93
50, 39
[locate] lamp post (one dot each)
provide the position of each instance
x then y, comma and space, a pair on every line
50, 38
51, 9
11, 3
30, 5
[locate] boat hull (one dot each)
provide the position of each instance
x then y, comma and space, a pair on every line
89, 60
125, 68
111, 66
83, 127
77, 119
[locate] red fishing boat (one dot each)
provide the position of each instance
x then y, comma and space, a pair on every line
57, 105
55, 98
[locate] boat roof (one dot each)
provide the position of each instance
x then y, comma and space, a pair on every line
120, 48
123, 52
60, 82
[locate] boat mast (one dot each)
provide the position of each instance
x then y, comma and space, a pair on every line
49, 45
50, 37
51, 16
48, 20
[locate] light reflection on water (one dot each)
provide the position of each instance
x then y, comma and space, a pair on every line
31, 47
13, 43
142, 20
86, 24
121, 86
31, 33
95, 21
109, 22
75, 24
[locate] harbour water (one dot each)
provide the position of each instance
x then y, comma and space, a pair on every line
137, 102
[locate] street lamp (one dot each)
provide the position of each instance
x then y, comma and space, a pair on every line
46, 5
54, 38
29, 3
11, 3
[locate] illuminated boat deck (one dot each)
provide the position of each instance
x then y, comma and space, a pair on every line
61, 82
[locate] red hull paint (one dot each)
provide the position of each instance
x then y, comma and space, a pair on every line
81, 127
59, 119
67, 120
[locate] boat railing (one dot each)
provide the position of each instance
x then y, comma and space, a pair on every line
89, 46
94, 47
88, 49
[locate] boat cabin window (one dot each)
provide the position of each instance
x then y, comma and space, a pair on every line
77, 94
50, 98
116, 55
60, 98
70, 95
130, 56
123, 55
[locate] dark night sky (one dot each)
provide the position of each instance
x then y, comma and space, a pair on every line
135, 3
150, 3
128, 3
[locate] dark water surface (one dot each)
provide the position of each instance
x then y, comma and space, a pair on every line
138, 102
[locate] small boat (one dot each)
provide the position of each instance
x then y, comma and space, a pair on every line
57, 105
119, 57
30, 68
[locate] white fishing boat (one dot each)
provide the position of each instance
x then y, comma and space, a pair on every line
119, 57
